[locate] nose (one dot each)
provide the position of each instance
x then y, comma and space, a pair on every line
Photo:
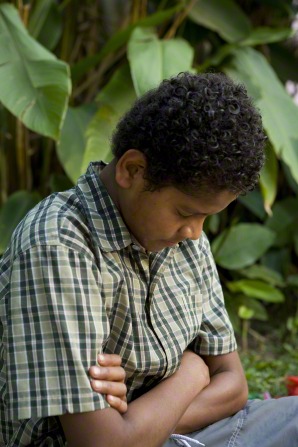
192, 230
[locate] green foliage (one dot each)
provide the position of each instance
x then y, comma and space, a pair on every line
12, 212
41, 85
170, 57
50, 131
267, 367
241, 245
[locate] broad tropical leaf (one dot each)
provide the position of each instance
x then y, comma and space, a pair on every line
254, 202
264, 273
41, 83
116, 97
72, 142
224, 17
268, 179
45, 23
284, 220
120, 38
265, 35
16, 207
170, 58
256, 289
280, 114
242, 245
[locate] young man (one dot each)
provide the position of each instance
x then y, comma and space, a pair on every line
119, 265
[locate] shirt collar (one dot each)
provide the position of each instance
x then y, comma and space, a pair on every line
104, 220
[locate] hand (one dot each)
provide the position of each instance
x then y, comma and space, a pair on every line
108, 378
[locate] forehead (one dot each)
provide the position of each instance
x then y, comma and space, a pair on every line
201, 203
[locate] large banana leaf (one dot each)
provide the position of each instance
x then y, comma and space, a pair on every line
224, 17
16, 207
152, 60
280, 114
34, 85
116, 97
120, 38
72, 142
45, 23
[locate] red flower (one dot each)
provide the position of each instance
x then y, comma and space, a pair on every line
292, 385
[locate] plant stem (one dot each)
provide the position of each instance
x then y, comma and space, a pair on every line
22, 156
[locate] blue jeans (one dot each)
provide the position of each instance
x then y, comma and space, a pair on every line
261, 423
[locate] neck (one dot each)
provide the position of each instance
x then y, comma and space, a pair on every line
107, 176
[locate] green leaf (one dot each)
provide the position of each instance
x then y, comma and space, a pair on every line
284, 220
280, 114
296, 242
114, 100
258, 309
289, 178
264, 34
12, 212
292, 281
224, 17
45, 23
269, 178
217, 58
170, 58
278, 259
242, 245
245, 313
121, 38
34, 85
284, 62
254, 202
59, 182
256, 289
72, 142
264, 273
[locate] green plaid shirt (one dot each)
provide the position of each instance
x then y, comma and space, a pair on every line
73, 283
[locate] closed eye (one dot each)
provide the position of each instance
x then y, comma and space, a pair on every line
184, 215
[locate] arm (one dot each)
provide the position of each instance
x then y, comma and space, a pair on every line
153, 416
225, 395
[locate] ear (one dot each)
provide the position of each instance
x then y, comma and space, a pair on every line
130, 168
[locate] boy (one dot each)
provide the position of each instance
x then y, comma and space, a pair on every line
119, 265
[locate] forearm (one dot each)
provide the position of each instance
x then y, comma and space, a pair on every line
152, 417
225, 395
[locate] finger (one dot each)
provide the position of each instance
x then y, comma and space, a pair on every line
117, 403
109, 359
114, 374
117, 389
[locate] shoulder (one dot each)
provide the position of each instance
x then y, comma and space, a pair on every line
57, 220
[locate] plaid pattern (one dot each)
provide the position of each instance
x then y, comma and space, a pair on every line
73, 283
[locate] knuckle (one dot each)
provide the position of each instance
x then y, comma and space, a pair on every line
122, 374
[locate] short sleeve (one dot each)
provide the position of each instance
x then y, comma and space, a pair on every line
55, 325
216, 335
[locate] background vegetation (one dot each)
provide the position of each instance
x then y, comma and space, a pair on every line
69, 69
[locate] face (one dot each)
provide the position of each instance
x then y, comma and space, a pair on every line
163, 218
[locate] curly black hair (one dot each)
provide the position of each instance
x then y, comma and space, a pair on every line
197, 131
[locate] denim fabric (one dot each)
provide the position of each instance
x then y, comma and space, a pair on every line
261, 423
